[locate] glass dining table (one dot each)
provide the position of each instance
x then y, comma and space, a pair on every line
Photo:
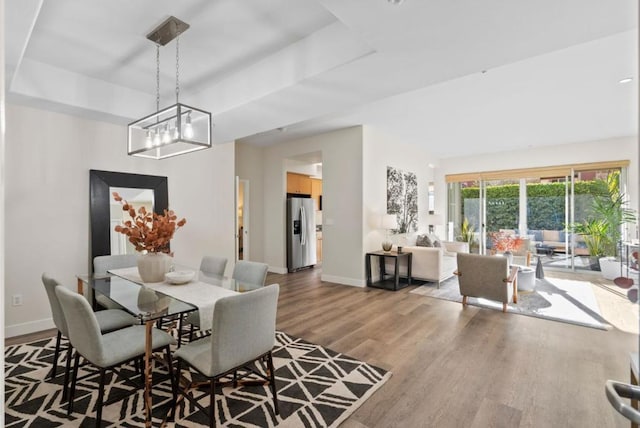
150, 302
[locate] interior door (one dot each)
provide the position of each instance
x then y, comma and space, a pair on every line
242, 219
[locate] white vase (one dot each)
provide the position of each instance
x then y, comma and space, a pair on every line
153, 266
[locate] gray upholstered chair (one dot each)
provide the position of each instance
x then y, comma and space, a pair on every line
105, 350
101, 265
487, 277
213, 265
243, 332
108, 320
250, 272
210, 266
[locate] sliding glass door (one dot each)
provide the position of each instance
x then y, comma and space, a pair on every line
537, 213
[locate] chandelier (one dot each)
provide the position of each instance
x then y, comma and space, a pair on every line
174, 130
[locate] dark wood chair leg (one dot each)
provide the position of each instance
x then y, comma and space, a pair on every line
74, 378
191, 333
212, 405
56, 354
65, 387
100, 398
272, 382
172, 415
174, 385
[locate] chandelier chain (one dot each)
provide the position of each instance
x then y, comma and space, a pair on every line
157, 77
177, 67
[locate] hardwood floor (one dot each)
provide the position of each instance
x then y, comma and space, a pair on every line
455, 367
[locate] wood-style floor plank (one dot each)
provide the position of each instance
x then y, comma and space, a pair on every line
455, 366
460, 367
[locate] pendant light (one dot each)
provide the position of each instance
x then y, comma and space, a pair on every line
174, 130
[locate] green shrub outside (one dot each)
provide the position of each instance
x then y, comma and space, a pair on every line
545, 201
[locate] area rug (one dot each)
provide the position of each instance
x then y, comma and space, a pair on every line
555, 299
317, 387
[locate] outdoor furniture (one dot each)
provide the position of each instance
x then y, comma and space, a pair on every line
487, 277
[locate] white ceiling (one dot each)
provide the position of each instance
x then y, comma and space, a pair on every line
456, 77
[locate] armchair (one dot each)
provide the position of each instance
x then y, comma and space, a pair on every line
487, 277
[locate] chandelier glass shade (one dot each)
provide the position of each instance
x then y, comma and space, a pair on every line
174, 130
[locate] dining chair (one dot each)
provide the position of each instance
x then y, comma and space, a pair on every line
108, 320
243, 334
213, 265
106, 351
250, 272
102, 265
210, 266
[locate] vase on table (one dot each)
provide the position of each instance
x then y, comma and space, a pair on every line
153, 266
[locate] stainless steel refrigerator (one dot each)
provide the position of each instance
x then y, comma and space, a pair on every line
301, 233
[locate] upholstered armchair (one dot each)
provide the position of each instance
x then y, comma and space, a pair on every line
487, 277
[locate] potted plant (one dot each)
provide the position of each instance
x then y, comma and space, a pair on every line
467, 234
595, 234
602, 231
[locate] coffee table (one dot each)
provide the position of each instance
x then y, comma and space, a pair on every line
544, 249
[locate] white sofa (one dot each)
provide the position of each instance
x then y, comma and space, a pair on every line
433, 264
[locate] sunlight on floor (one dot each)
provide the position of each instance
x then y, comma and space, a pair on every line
612, 300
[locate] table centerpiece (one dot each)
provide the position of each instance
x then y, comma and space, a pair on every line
150, 233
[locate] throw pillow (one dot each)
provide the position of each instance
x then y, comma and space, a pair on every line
423, 241
435, 241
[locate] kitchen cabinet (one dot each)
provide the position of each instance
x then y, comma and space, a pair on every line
316, 191
298, 183
319, 246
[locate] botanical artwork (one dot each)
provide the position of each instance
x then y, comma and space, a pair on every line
402, 198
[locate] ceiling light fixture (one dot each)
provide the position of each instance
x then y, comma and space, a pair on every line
395, 1
174, 130
626, 80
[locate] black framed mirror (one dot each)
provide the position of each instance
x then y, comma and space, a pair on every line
100, 185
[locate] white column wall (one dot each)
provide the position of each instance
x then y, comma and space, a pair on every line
249, 166
48, 158
342, 254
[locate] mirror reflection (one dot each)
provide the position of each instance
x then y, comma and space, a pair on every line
135, 197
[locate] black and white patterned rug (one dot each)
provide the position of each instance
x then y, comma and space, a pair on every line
317, 387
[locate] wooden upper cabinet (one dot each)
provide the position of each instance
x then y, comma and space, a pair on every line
298, 183
316, 190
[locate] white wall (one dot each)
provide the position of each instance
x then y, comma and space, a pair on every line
381, 151
249, 166
342, 255
624, 148
48, 157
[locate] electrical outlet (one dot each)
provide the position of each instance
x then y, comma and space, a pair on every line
16, 300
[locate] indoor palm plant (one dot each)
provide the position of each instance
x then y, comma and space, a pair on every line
150, 233
602, 230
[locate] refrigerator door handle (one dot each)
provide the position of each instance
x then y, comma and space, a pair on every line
303, 227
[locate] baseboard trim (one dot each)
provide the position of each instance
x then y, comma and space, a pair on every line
344, 281
28, 327
280, 270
